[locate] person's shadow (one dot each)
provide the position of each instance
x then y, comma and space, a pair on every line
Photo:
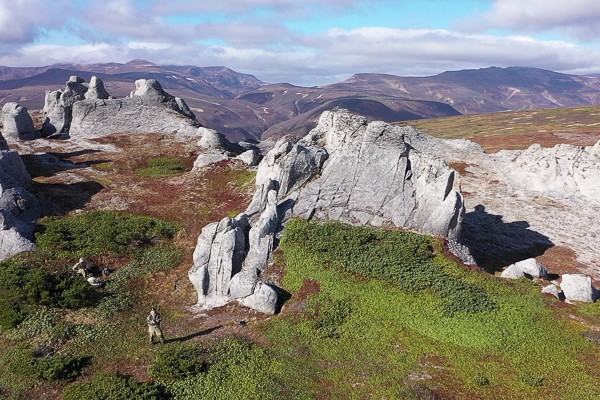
193, 335
496, 244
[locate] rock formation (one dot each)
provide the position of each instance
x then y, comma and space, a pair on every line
17, 123
87, 110
344, 169
19, 208
215, 148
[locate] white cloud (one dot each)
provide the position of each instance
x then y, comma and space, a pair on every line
336, 54
21, 19
579, 18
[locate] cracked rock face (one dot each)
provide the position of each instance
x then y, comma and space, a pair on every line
344, 169
373, 177
19, 208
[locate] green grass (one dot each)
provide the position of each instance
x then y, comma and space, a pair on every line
162, 166
390, 341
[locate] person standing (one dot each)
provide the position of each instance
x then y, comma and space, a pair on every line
154, 320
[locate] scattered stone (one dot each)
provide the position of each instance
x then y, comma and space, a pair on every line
553, 290
211, 139
578, 287
250, 157
17, 123
208, 158
264, 299
529, 268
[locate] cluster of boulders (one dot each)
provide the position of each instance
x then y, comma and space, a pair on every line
571, 287
345, 169
216, 148
87, 110
19, 208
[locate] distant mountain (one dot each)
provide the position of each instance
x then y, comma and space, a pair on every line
486, 90
241, 106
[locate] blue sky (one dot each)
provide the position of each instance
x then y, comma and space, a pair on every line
309, 42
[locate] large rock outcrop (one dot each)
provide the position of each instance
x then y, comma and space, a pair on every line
17, 123
87, 110
19, 208
344, 169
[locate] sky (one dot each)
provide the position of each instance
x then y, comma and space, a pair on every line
306, 42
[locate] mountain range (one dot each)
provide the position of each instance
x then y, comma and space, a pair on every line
244, 107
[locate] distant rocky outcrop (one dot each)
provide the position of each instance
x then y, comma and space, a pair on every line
19, 208
87, 110
17, 123
345, 169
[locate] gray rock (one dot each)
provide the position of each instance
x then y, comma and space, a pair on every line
208, 158
371, 176
96, 89
17, 123
529, 268
217, 258
249, 157
19, 208
55, 116
262, 235
243, 283
578, 287
264, 299
211, 139
75, 79
553, 290
149, 92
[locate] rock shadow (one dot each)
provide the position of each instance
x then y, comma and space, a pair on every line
194, 335
496, 244
49, 164
62, 198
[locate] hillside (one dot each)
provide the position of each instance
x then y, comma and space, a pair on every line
243, 107
487, 89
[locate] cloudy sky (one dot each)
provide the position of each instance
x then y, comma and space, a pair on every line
306, 42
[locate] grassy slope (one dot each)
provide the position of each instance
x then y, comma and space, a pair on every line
395, 343
518, 129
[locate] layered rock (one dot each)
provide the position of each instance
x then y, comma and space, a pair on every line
17, 123
87, 110
19, 208
345, 169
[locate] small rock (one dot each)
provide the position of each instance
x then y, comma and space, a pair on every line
578, 287
208, 158
551, 289
529, 268
249, 157
264, 299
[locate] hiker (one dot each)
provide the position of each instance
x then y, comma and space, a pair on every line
154, 320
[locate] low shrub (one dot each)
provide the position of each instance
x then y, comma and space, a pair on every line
115, 387
99, 233
531, 380
481, 380
175, 362
61, 367
407, 259
331, 316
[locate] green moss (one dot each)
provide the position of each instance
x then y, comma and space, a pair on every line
162, 166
